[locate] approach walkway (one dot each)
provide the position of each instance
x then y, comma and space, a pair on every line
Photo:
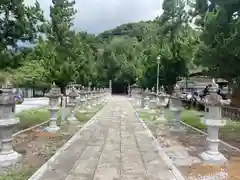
108, 148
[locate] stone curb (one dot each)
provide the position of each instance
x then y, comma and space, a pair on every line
30, 128
162, 154
38, 174
202, 132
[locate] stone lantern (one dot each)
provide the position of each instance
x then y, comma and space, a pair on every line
82, 101
94, 96
8, 156
163, 101
153, 101
89, 98
72, 103
53, 95
146, 100
175, 107
213, 120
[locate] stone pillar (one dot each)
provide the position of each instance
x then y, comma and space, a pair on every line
53, 95
72, 104
8, 156
213, 120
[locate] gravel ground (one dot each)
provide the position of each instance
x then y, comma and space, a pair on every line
190, 144
37, 146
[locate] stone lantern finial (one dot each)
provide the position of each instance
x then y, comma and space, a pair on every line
177, 92
153, 89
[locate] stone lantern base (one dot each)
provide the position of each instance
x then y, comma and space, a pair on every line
72, 114
52, 129
10, 158
161, 113
213, 158
175, 121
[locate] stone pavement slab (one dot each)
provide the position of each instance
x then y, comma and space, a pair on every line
112, 147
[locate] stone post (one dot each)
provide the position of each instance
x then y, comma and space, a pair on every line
72, 104
8, 156
53, 95
213, 120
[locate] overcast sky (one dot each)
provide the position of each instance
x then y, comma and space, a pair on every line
95, 16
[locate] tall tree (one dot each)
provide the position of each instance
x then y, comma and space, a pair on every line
60, 36
19, 23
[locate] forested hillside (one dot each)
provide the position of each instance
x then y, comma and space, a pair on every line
126, 54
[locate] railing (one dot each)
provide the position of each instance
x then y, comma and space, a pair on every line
232, 113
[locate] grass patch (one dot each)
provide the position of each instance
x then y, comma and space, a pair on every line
18, 175
32, 117
83, 117
146, 116
191, 117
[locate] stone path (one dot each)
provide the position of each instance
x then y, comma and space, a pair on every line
109, 148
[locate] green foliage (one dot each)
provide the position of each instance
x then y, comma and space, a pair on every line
23, 27
219, 22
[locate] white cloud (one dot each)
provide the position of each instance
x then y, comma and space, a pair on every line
95, 16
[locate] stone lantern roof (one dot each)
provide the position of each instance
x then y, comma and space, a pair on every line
73, 93
54, 92
213, 99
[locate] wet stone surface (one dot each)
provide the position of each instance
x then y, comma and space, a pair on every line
111, 148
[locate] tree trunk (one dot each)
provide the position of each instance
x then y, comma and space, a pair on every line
169, 89
63, 92
235, 97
